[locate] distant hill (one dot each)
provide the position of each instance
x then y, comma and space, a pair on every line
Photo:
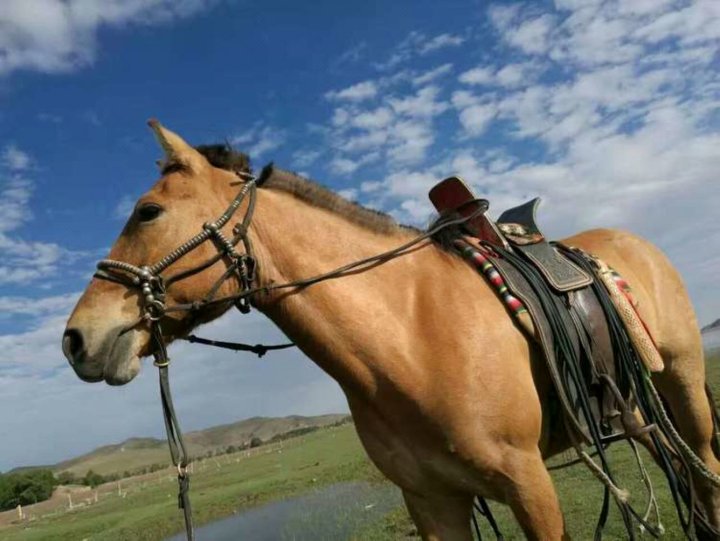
135, 453
714, 326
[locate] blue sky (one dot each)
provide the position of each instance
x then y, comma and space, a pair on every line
608, 110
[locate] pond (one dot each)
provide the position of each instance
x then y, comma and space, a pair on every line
332, 513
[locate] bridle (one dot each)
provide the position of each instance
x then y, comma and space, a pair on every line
241, 266
153, 288
244, 268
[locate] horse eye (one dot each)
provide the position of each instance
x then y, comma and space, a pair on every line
148, 212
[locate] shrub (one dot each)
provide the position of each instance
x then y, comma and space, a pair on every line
26, 488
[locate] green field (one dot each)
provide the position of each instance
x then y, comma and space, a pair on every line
225, 486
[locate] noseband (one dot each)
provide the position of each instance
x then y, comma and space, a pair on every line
243, 267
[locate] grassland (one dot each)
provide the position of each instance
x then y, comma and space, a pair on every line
148, 511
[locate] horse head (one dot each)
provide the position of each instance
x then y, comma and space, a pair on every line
107, 336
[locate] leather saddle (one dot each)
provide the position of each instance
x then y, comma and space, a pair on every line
514, 228
516, 232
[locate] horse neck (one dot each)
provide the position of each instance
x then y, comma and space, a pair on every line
331, 321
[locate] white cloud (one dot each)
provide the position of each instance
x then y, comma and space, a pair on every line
305, 158
398, 129
476, 118
698, 22
481, 75
430, 75
23, 260
423, 104
259, 139
15, 159
61, 35
353, 54
374, 119
418, 44
440, 42
370, 186
357, 92
124, 208
407, 184
532, 36
510, 75
412, 139
44, 306
16, 190
364, 140
403, 52
462, 98
502, 15
514, 75
349, 193
346, 166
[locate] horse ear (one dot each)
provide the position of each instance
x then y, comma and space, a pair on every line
176, 149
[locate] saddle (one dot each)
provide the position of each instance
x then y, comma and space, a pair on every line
567, 321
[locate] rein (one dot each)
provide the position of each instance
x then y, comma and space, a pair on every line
241, 266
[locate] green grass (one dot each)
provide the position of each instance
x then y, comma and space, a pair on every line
322, 458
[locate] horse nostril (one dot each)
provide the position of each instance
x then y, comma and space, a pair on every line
73, 345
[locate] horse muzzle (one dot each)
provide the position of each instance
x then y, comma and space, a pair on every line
110, 356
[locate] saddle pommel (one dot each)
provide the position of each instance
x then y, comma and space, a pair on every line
453, 195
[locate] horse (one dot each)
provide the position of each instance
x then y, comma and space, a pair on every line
449, 397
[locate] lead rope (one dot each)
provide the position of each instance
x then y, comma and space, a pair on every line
178, 452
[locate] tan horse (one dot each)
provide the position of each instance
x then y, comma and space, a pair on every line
446, 392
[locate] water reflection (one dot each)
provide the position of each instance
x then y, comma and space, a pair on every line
329, 513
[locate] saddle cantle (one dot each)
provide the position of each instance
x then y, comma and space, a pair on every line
519, 227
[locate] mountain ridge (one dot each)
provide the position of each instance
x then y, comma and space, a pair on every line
715, 325
135, 453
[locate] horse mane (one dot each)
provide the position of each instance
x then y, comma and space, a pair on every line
309, 191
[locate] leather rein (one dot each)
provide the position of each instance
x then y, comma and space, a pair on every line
243, 267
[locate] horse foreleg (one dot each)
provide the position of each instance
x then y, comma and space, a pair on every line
531, 496
440, 517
